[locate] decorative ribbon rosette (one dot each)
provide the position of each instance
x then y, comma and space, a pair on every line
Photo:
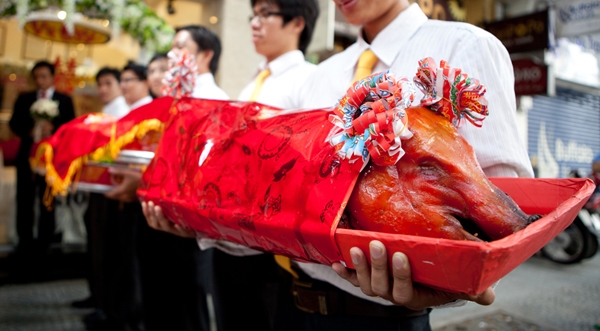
373, 119
180, 79
451, 92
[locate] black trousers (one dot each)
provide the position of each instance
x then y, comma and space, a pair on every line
115, 278
102, 248
244, 291
29, 186
174, 279
290, 318
123, 303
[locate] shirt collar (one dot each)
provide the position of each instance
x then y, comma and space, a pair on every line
283, 62
206, 78
116, 102
388, 43
145, 100
49, 92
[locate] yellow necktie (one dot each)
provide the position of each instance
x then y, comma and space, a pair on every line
366, 62
258, 81
364, 67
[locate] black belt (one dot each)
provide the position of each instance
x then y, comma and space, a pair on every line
315, 296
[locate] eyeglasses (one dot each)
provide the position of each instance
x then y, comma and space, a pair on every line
127, 80
262, 16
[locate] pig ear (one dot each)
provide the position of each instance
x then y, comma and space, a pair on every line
451, 93
180, 79
371, 119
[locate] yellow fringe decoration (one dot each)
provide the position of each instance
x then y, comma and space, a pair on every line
105, 153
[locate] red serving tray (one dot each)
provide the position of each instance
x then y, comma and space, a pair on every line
471, 267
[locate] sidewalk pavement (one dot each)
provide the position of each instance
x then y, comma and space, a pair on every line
538, 295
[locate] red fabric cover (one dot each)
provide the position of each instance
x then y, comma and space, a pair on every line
76, 138
273, 184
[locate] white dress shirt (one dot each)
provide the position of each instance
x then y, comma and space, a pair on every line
288, 73
279, 89
206, 88
48, 95
406, 40
141, 102
117, 107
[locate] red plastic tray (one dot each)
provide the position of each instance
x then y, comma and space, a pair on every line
471, 267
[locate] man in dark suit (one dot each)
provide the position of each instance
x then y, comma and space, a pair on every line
22, 124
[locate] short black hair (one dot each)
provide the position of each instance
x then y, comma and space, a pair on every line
206, 41
43, 64
158, 56
105, 71
139, 70
290, 9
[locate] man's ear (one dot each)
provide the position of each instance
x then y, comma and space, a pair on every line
203, 60
297, 24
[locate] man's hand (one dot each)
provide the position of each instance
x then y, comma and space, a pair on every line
157, 221
126, 189
399, 289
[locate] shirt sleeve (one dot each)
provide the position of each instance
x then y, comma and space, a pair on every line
226, 247
498, 145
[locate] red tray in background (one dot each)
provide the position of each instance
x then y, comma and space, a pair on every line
471, 267
96, 178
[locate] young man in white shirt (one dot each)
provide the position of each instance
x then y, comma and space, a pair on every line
400, 35
206, 47
191, 265
119, 302
281, 32
109, 92
134, 86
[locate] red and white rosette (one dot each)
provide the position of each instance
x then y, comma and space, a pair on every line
371, 119
180, 79
451, 92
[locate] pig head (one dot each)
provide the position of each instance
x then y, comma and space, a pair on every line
437, 189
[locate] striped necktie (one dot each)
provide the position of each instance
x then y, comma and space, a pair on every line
258, 82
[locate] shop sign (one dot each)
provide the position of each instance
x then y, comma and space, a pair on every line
523, 33
574, 18
530, 77
563, 133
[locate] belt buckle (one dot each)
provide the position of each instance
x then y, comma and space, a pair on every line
308, 285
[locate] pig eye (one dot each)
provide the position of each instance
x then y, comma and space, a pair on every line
429, 169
